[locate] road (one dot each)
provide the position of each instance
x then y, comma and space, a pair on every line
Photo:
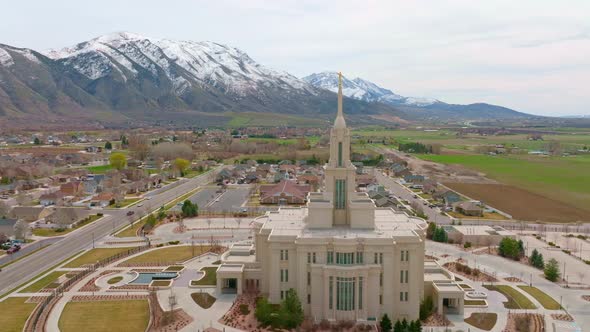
30, 266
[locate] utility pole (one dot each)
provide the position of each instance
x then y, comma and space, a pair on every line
92, 240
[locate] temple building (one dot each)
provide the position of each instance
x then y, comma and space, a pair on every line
346, 258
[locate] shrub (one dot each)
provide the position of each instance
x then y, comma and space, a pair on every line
99, 214
426, 308
551, 244
244, 309
159, 245
567, 251
174, 242
467, 245
60, 230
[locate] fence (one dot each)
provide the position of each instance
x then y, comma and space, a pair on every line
36, 321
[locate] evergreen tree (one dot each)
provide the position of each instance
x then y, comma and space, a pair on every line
108, 146
405, 325
37, 141
291, 310
552, 270
430, 230
189, 209
536, 259
510, 248
426, 307
385, 323
398, 327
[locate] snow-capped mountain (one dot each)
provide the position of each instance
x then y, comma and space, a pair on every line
361, 89
125, 78
184, 63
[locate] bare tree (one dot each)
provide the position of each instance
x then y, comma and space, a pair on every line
21, 230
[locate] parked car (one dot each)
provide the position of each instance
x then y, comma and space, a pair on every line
130, 213
12, 250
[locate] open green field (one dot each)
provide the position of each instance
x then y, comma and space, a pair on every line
561, 178
14, 313
99, 169
94, 255
43, 282
168, 254
105, 316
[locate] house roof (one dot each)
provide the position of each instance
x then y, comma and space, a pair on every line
26, 212
54, 195
287, 187
103, 197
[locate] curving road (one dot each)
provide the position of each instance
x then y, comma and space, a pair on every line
30, 266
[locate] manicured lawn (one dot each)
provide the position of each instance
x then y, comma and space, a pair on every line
160, 283
105, 316
204, 300
516, 300
168, 254
465, 286
43, 282
114, 280
474, 302
94, 255
210, 277
546, 301
131, 231
14, 313
54, 232
484, 321
174, 268
125, 202
99, 169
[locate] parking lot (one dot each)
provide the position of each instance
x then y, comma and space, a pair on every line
229, 200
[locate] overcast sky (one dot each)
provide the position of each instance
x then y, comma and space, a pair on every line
530, 55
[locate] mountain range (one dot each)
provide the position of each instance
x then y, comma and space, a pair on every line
127, 79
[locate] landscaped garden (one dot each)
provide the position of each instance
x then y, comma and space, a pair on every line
105, 316
481, 320
168, 255
14, 313
516, 300
209, 279
94, 255
546, 301
204, 300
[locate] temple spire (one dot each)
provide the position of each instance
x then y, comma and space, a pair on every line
339, 122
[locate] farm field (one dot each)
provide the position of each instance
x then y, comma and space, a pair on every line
563, 179
520, 203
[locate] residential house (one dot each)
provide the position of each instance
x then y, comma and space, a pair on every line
102, 199
7, 226
469, 209
54, 198
414, 178
285, 192
66, 217
448, 196
72, 188
29, 213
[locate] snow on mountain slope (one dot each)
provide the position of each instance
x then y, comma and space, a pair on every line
183, 62
359, 88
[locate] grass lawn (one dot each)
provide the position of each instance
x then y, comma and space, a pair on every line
204, 300
465, 286
561, 178
516, 300
114, 280
125, 203
131, 231
546, 301
168, 254
94, 255
15, 313
210, 277
161, 283
54, 232
486, 215
43, 282
99, 169
474, 302
99, 316
174, 268
481, 320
